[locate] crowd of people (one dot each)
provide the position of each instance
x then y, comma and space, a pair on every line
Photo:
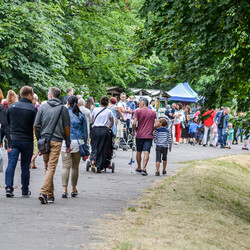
60, 126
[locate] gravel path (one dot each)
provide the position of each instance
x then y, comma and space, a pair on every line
66, 224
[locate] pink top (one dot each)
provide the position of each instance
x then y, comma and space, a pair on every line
215, 129
146, 120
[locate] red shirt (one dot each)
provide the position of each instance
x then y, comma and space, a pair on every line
210, 120
146, 120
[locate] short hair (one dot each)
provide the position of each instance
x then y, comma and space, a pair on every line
152, 101
123, 93
81, 102
1, 95
55, 92
163, 121
104, 101
145, 100
113, 100
26, 90
69, 89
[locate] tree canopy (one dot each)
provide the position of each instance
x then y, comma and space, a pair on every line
206, 41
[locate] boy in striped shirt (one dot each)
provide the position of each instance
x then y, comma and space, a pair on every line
163, 144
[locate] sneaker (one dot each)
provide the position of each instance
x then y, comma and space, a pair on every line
27, 195
51, 200
222, 147
9, 193
74, 194
164, 172
157, 173
176, 143
144, 172
43, 198
138, 170
64, 195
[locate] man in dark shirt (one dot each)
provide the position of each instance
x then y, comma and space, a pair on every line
21, 116
70, 92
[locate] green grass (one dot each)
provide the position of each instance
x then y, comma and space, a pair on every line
204, 206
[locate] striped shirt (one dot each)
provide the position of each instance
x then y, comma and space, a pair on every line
163, 137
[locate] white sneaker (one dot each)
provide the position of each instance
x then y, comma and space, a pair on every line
176, 143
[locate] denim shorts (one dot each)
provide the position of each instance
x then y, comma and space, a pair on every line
143, 144
161, 153
193, 134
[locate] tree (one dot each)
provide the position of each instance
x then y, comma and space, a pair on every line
32, 48
202, 38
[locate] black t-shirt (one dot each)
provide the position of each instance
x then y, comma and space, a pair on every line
221, 121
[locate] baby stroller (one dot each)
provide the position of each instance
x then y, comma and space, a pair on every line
111, 155
125, 139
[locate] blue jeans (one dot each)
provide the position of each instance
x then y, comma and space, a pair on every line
26, 150
222, 136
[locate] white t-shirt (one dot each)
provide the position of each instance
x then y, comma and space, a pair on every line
122, 105
103, 119
180, 118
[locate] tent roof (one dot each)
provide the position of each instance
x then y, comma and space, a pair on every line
182, 93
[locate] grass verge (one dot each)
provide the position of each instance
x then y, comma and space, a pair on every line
204, 206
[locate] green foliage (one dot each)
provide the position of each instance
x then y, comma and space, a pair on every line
202, 39
31, 45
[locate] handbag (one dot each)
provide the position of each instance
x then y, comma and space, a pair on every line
84, 149
44, 144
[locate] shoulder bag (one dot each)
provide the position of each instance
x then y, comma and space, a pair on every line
44, 144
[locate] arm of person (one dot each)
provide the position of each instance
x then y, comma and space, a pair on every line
111, 122
38, 124
120, 112
156, 124
66, 122
134, 126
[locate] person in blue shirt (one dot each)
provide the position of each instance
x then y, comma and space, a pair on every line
193, 130
221, 119
131, 103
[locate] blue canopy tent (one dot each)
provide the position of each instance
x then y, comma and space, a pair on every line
182, 93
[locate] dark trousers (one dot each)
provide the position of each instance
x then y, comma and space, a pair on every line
26, 150
100, 146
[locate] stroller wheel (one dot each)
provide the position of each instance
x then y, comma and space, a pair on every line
113, 167
88, 166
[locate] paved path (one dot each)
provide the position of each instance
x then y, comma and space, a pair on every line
26, 224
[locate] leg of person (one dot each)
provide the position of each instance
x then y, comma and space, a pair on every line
211, 136
48, 186
224, 137
215, 140
139, 149
204, 141
26, 149
10, 171
146, 151
220, 136
178, 132
76, 157
194, 141
66, 166
230, 144
158, 160
164, 158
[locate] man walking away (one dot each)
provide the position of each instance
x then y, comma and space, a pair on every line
45, 122
21, 116
70, 92
221, 119
146, 119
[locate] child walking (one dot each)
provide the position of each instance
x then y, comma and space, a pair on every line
163, 144
193, 130
230, 135
215, 129
246, 141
